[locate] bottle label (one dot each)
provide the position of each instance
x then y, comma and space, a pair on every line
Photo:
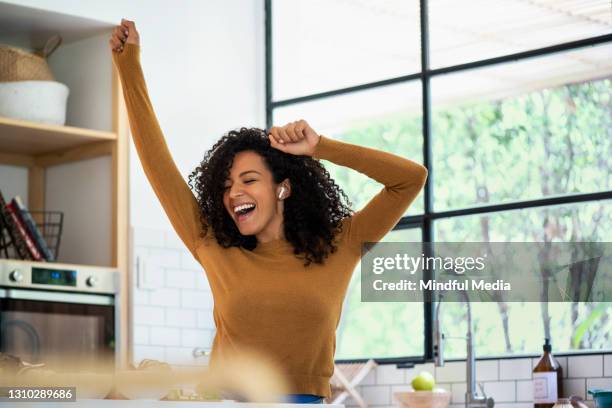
545, 387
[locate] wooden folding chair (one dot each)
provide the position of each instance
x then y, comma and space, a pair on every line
346, 377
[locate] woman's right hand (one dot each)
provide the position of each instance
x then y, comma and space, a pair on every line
122, 34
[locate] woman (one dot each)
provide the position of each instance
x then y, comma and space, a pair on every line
270, 227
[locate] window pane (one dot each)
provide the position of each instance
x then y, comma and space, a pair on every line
520, 327
466, 31
380, 329
386, 118
320, 45
524, 130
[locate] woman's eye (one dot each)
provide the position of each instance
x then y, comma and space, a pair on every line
225, 188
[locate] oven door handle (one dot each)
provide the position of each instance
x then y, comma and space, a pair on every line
62, 297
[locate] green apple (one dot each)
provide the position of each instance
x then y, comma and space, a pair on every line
423, 382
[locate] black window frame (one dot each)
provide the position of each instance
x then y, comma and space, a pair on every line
425, 221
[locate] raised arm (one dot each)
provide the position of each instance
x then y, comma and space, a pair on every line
171, 189
402, 180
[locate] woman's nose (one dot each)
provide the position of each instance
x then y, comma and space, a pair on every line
235, 191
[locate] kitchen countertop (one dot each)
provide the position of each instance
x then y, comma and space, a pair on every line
93, 403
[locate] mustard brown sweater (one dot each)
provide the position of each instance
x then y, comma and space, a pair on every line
266, 299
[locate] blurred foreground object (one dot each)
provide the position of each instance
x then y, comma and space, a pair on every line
244, 377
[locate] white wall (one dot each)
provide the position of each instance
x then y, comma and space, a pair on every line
204, 65
14, 182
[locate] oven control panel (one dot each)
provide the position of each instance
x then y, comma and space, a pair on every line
55, 276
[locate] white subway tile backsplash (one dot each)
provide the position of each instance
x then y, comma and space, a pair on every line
147, 237
608, 365
165, 258
370, 378
149, 275
196, 299
574, 386
140, 251
501, 391
524, 390
453, 371
172, 241
390, 374
411, 373
176, 317
429, 367
458, 392
487, 370
140, 296
196, 338
585, 366
207, 321
181, 355
515, 369
180, 278
141, 335
165, 336
376, 394
165, 297
147, 352
149, 315
202, 281
188, 262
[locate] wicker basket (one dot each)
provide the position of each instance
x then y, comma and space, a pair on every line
17, 64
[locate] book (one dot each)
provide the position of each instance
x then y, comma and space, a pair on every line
21, 229
7, 224
33, 229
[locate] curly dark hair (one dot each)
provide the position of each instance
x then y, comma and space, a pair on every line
315, 207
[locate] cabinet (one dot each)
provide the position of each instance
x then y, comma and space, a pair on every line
80, 168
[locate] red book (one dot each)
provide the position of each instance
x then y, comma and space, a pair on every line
16, 216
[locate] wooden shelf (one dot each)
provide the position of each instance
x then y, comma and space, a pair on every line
34, 139
30, 27
100, 187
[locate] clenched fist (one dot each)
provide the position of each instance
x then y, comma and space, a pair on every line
294, 138
122, 34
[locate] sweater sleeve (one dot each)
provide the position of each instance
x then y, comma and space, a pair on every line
171, 189
402, 180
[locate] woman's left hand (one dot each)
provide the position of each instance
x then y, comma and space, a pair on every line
294, 138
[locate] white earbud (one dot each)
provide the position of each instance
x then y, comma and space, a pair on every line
281, 192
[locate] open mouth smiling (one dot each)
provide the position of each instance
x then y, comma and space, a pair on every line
244, 211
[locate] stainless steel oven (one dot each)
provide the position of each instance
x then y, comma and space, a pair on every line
56, 313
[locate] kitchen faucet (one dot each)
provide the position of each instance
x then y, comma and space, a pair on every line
472, 398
